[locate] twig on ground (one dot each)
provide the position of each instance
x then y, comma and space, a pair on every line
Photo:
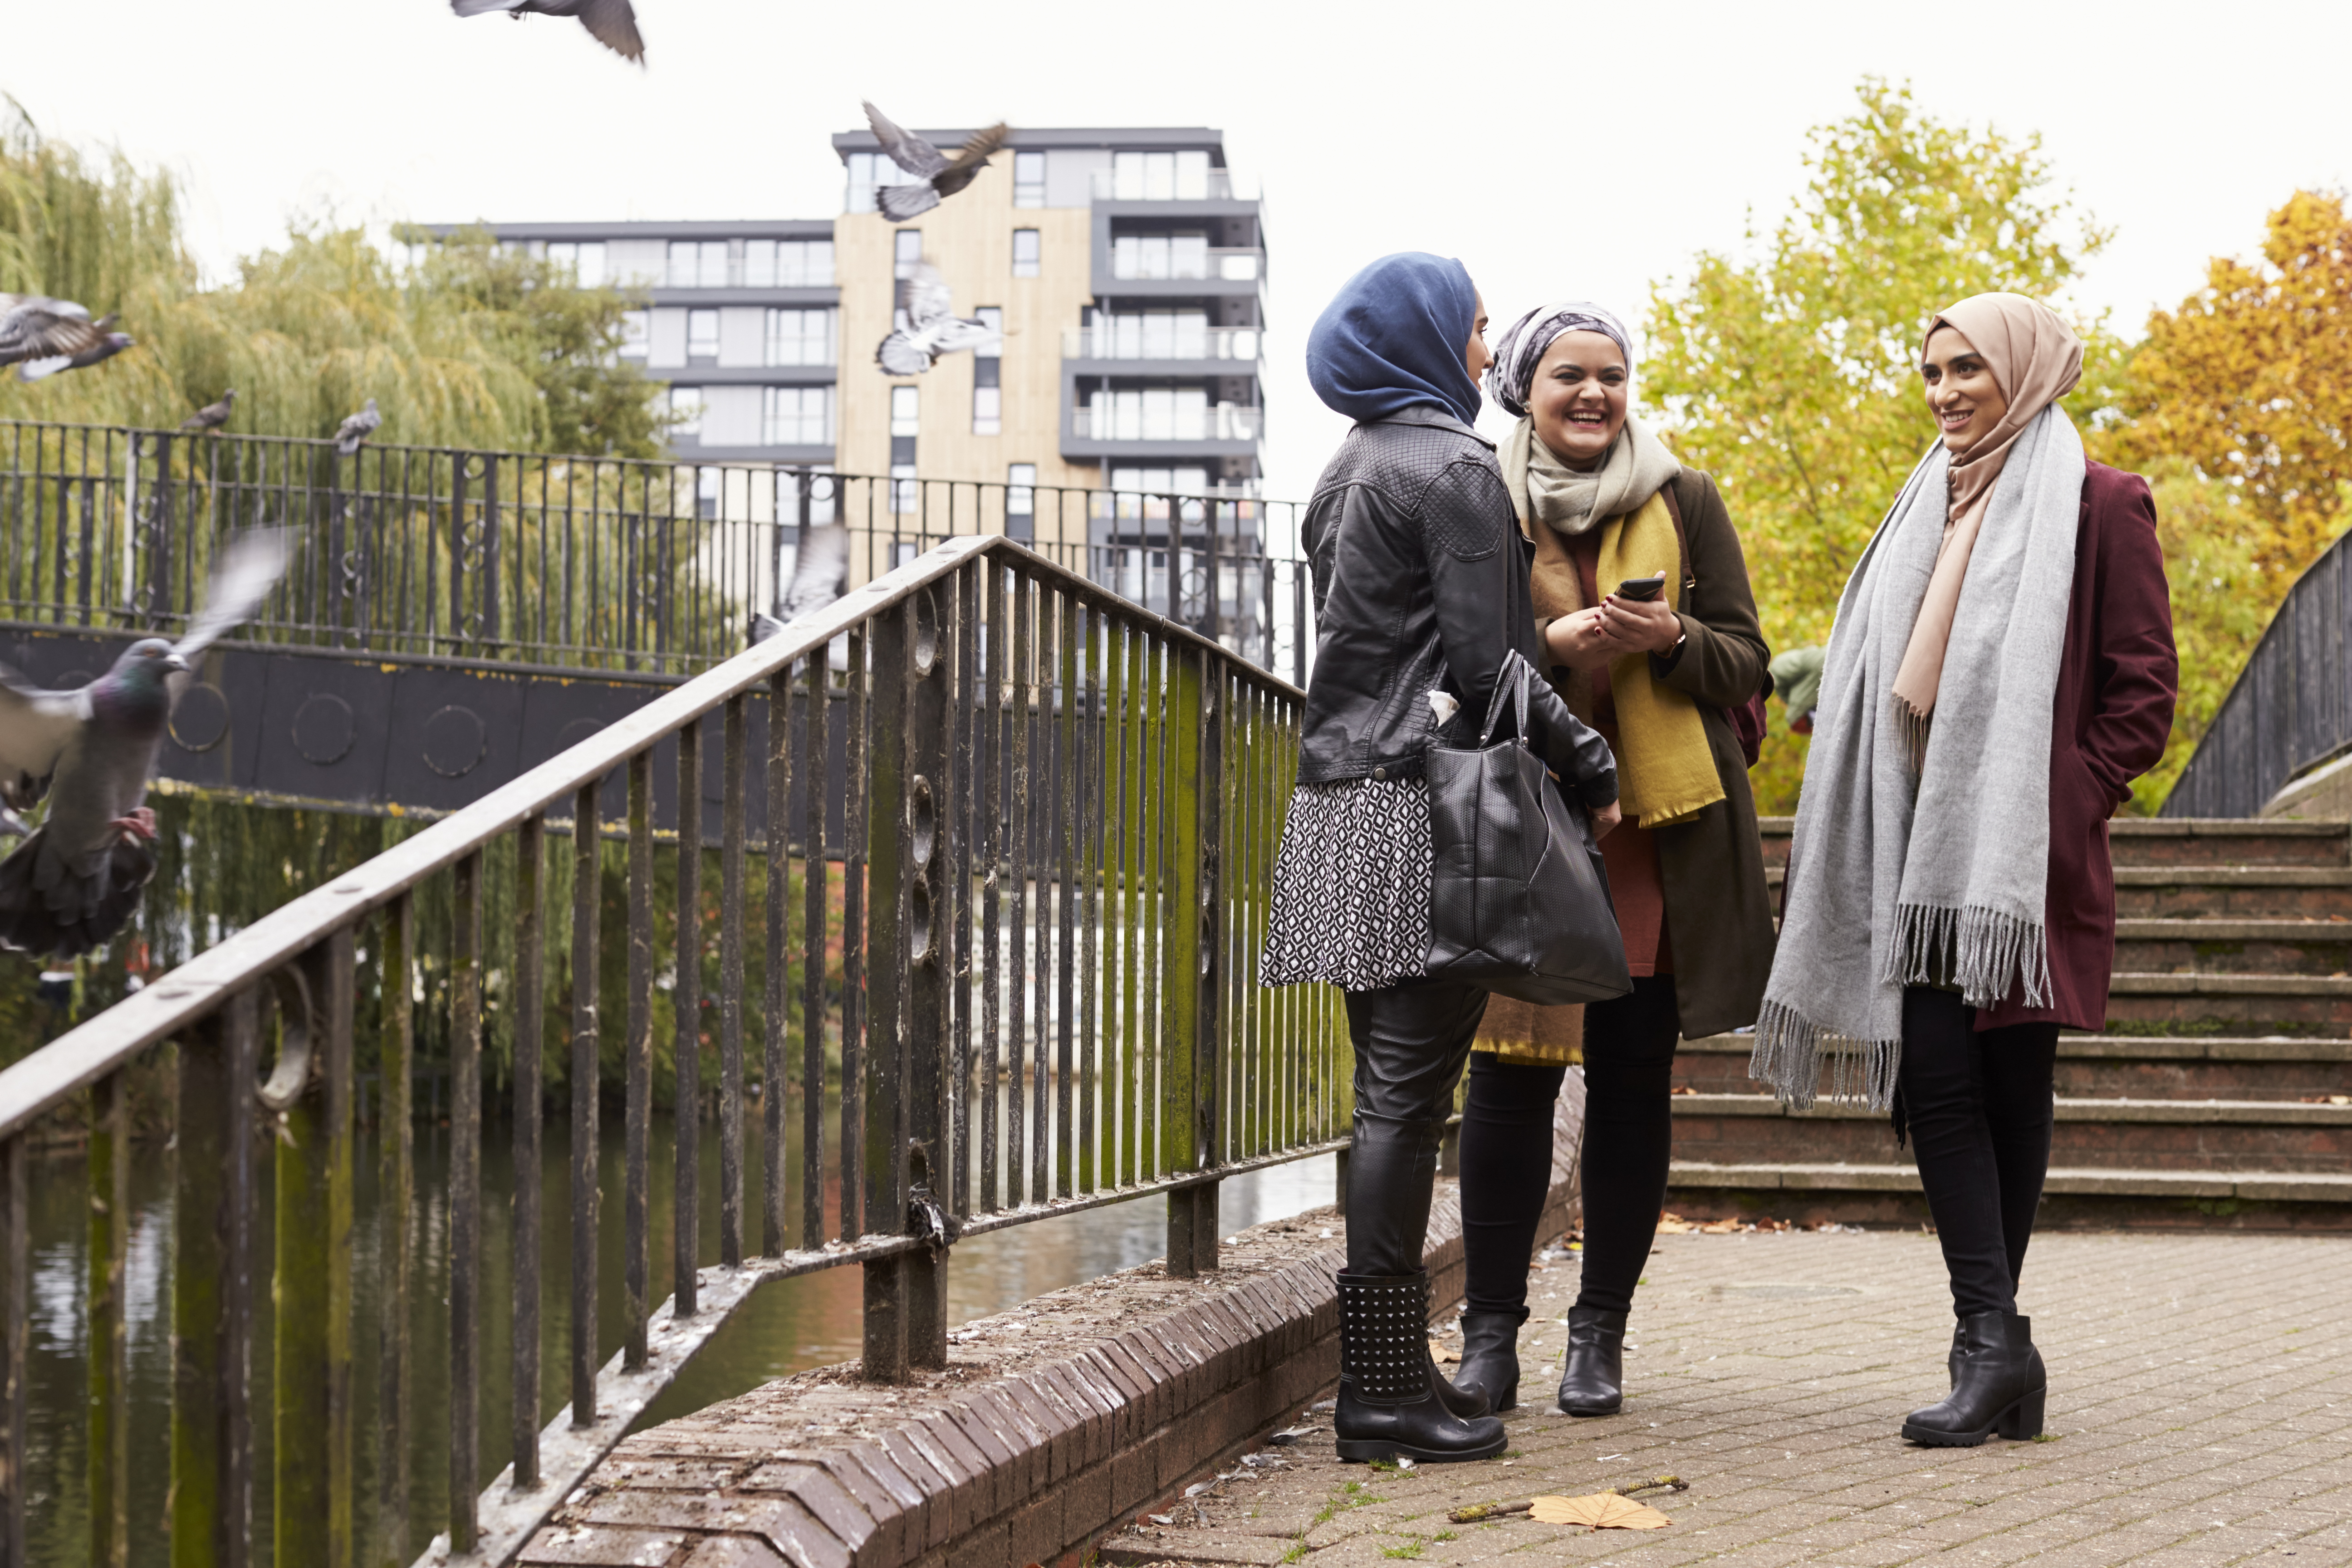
1477, 1511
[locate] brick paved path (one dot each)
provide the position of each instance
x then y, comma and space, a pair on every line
2200, 1412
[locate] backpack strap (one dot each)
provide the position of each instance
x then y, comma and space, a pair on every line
1682, 539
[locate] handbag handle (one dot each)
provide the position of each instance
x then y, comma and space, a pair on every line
1513, 676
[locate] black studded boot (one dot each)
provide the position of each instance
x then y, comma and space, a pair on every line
1593, 1381
1388, 1407
2000, 1386
1490, 1359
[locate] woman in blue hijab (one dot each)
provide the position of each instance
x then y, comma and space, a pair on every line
1420, 592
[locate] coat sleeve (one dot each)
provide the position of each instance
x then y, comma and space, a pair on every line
1466, 528
1723, 662
2136, 674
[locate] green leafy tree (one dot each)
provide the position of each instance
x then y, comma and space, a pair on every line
2213, 535
1792, 377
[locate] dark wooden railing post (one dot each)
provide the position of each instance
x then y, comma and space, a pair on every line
211, 1290
466, 974
396, 1133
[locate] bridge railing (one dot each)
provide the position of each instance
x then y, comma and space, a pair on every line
577, 562
2291, 708
1019, 981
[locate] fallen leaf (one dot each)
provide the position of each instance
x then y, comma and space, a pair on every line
1719, 1228
1603, 1510
1673, 1224
1442, 1353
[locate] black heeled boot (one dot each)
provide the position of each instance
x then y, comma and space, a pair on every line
1461, 1400
1389, 1408
1593, 1381
2000, 1386
1490, 1359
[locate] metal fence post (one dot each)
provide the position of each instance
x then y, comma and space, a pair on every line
885, 1087
109, 1426
1189, 1098
211, 1298
928, 955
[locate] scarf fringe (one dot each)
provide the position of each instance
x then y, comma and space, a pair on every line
1992, 954
1788, 1056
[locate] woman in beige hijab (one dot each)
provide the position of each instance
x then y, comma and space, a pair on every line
2001, 669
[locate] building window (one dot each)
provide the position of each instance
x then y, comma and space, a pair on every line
905, 412
1150, 414
697, 264
1151, 334
702, 337
906, 495
1149, 256
586, 260
988, 376
1160, 176
636, 330
787, 263
907, 252
685, 402
800, 337
1021, 502
759, 264
1028, 179
867, 170
797, 416
1027, 251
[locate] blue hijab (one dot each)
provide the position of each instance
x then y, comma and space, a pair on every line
1393, 338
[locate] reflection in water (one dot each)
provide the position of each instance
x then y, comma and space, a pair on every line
789, 1325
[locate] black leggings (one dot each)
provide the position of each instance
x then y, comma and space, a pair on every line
1410, 1043
1628, 1064
1977, 1105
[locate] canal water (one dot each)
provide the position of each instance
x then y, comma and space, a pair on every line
787, 1325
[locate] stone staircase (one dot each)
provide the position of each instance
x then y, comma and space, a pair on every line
2220, 1094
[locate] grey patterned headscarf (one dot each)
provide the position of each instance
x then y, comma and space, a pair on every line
1513, 374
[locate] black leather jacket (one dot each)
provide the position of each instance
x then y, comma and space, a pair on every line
1421, 582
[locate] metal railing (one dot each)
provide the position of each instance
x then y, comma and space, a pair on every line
1163, 258
1015, 980
573, 561
1147, 337
1108, 421
2291, 709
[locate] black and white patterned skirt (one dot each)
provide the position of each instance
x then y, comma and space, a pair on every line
1351, 885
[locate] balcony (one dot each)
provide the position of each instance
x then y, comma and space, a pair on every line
1163, 338
1160, 177
1125, 418
1159, 258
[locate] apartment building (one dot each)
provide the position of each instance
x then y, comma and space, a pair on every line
1125, 278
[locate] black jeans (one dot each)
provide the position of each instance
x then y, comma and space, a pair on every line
1409, 1041
1629, 1063
1978, 1109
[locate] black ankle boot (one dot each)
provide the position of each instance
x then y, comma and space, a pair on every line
1461, 1400
1490, 1358
1388, 1407
1999, 1386
1593, 1381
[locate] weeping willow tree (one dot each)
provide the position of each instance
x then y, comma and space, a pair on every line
466, 345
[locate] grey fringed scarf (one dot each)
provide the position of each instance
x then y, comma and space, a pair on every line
1885, 891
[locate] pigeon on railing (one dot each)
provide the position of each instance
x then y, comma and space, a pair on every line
76, 878
940, 175
612, 23
41, 336
356, 429
211, 415
933, 327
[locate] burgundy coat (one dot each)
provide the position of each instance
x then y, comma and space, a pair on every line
2111, 717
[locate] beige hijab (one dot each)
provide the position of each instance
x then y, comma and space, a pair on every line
2037, 359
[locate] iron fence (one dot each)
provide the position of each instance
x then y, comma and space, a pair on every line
578, 562
2291, 709
1019, 981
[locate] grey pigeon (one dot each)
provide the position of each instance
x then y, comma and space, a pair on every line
75, 880
211, 415
612, 23
41, 336
818, 573
932, 329
356, 429
940, 175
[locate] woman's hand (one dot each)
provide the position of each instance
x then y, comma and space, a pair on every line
1639, 626
1604, 817
1580, 641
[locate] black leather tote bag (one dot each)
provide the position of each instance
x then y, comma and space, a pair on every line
1520, 902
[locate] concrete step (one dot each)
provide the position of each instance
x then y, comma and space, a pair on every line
2220, 945
2102, 1197
2122, 1067
2149, 842
2232, 892
2203, 1135
2284, 1004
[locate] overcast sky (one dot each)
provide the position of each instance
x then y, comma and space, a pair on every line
1556, 155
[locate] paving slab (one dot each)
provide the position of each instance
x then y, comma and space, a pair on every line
2199, 1411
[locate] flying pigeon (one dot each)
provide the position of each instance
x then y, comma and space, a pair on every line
41, 336
356, 429
941, 177
211, 415
613, 23
76, 878
931, 328
818, 573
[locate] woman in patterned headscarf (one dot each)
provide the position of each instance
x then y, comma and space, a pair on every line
1667, 678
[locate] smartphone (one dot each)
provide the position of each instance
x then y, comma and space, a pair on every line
1643, 588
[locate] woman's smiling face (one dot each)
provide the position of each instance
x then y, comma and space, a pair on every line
1962, 393
1577, 401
